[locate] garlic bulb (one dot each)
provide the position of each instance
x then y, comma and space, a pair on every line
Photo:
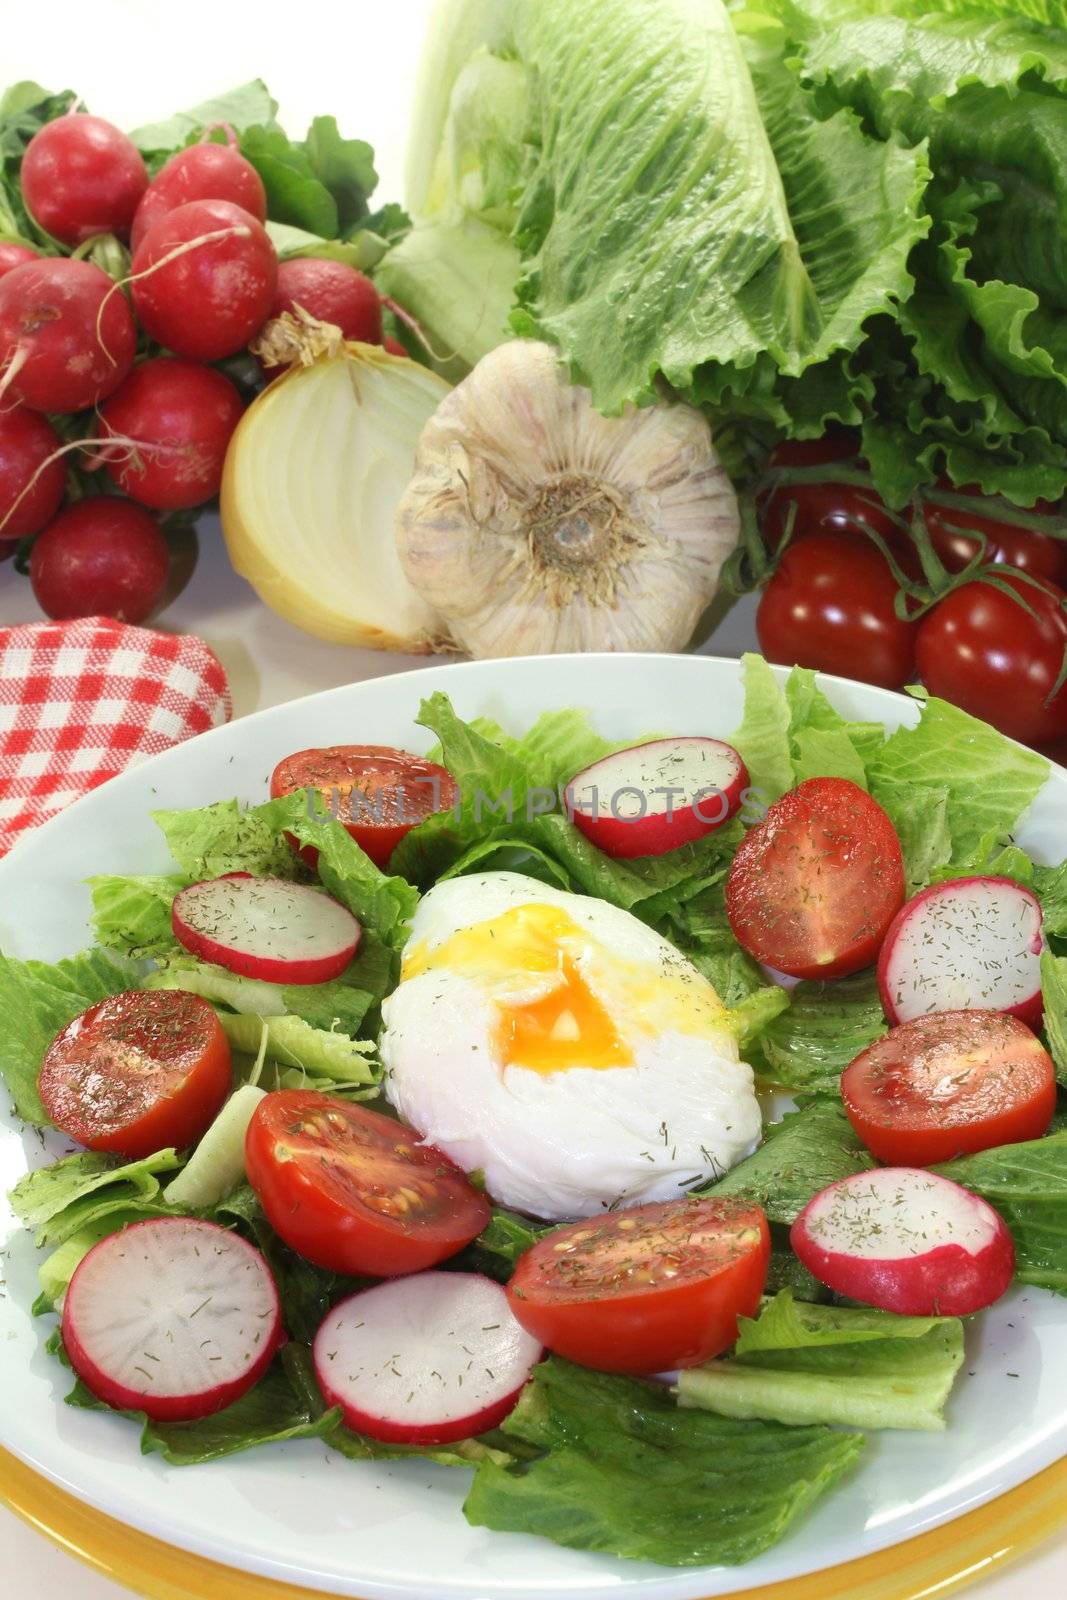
535, 525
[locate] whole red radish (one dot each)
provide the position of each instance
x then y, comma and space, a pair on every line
656, 796
172, 1316
965, 944
15, 255
331, 292
203, 279
81, 175
906, 1240
181, 416
394, 347
100, 557
205, 171
30, 490
67, 338
425, 1359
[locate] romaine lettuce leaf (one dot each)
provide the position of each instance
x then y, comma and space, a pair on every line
226, 837
800, 1155
1028, 1185
268, 1414
383, 904
132, 915
990, 781
826, 1025
762, 737
797, 1363
75, 1193
36, 1001
1054, 992
317, 1057
624, 1470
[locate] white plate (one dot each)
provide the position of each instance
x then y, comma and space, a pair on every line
395, 1532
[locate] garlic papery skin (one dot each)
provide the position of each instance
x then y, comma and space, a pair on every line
313, 477
534, 525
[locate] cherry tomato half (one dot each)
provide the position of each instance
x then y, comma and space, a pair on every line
646, 1289
983, 651
137, 1072
1007, 544
830, 605
947, 1085
813, 888
354, 1191
382, 793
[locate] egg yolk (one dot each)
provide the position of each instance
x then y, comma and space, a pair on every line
565, 1028
569, 1026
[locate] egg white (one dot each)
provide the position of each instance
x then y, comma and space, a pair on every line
570, 1143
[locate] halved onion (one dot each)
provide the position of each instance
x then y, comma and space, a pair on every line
313, 477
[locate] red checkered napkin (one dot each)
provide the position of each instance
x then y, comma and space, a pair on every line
81, 701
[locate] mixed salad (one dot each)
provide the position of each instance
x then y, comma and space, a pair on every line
421, 1109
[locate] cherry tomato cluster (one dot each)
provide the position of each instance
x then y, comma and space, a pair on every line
994, 648
133, 350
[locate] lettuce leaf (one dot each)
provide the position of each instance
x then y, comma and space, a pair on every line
1027, 1183
989, 781
317, 1058
800, 1155
622, 1469
762, 737
36, 1001
1054, 991
132, 915
226, 837
76, 1193
826, 1025
799, 1364
269, 1413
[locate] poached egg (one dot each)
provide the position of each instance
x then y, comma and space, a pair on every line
558, 1045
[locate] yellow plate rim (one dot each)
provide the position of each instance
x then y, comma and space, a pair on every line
936, 1562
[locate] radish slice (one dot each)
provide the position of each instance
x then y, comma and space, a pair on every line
172, 1316
654, 797
425, 1359
266, 928
906, 1240
972, 944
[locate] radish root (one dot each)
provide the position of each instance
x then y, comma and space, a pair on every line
416, 328
13, 368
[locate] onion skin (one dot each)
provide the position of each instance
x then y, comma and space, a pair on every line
280, 585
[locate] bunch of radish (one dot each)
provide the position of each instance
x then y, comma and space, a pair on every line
116, 373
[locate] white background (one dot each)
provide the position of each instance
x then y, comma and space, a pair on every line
136, 61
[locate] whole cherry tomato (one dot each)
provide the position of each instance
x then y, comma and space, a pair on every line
1007, 543
982, 649
830, 605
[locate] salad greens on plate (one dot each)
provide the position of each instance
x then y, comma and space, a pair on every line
716, 1467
